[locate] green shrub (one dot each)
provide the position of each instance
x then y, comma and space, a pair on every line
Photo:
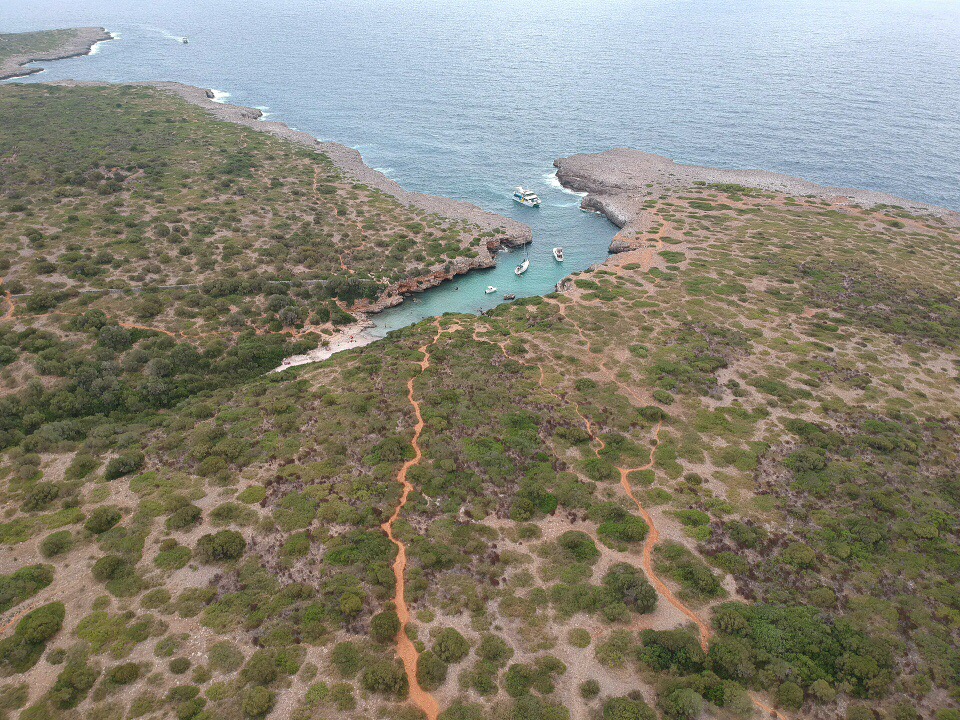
221, 546
450, 646
56, 543
579, 546
124, 674
40, 496
346, 659
23, 583
179, 665
384, 626
124, 464
626, 708
682, 704
257, 701
431, 670
252, 494
225, 657
385, 677
495, 650
674, 651
589, 689
579, 637
41, 624
789, 695
184, 517
630, 586
102, 519
73, 684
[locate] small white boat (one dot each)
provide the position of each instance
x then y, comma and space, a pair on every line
522, 267
184, 41
490, 289
527, 198
558, 254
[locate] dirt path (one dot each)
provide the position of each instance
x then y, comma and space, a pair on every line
11, 308
405, 647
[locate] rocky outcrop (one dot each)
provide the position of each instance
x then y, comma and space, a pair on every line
80, 43
617, 183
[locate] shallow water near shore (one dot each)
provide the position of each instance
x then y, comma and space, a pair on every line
469, 99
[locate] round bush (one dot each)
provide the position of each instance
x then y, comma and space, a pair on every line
184, 517
431, 670
102, 519
384, 626
124, 674
178, 666
41, 624
56, 543
257, 701
221, 546
789, 695
450, 646
589, 689
126, 463
579, 637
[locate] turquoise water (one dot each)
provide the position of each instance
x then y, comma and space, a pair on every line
469, 98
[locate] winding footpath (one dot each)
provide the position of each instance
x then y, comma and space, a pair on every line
405, 647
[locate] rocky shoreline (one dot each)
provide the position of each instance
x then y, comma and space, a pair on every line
508, 233
617, 183
80, 44
350, 162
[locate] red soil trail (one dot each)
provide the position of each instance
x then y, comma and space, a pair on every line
16, 618
405, 647
11, 307
653, 536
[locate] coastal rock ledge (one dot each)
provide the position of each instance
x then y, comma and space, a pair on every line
619, 181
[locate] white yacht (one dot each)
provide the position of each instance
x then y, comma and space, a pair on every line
558, 254
522, 267
490, 290
526, 197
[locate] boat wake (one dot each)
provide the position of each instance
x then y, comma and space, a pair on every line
166, 34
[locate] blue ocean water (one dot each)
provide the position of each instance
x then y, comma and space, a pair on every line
468, 98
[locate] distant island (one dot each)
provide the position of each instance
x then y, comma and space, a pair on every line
714, 476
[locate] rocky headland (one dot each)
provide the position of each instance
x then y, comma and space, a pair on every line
75, 42
618, 182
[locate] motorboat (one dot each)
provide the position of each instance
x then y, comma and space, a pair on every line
527, 198
558, 254
490, 290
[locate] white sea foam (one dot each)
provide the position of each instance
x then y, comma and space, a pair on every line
388, 171
264, 114
219, 96
552, 181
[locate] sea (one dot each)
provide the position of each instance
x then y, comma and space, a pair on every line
469, 98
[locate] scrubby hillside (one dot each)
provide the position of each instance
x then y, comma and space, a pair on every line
715, 475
